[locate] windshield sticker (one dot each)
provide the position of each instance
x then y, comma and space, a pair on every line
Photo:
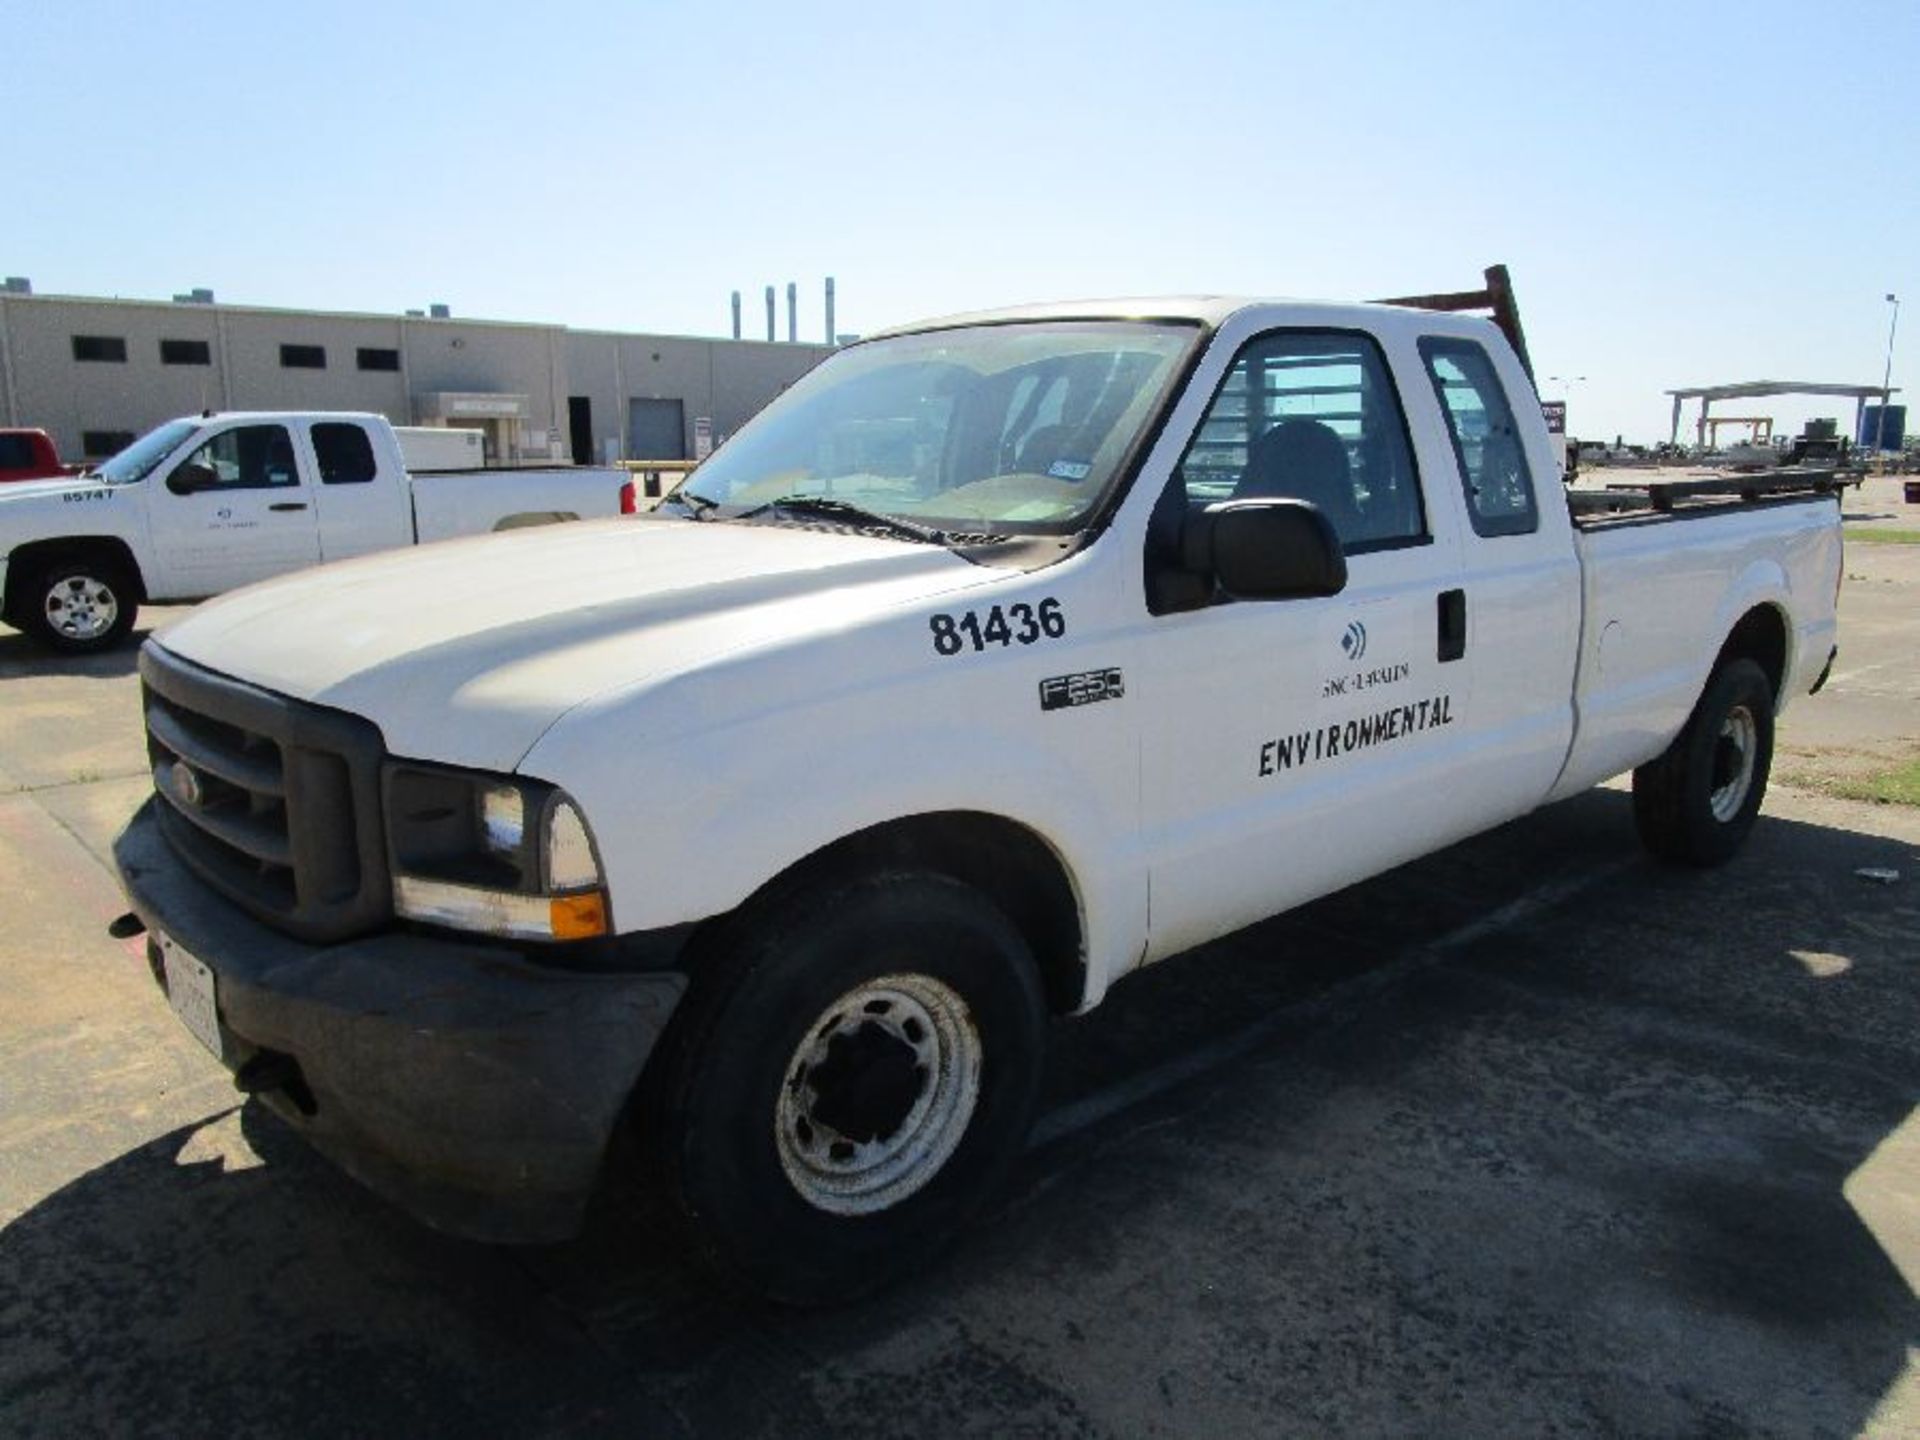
1019, 623
1069, 470
1065, 692
1326, 742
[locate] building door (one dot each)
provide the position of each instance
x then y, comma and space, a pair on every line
580, 428
656, 430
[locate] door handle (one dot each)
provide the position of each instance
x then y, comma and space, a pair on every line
1453, 624
289, 505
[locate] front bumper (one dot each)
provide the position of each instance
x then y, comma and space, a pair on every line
470, 1086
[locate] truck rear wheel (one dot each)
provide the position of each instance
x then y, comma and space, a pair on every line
1696, 803
848, 1081
78, 604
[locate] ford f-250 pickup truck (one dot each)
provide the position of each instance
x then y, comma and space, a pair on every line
997, 658
202, 505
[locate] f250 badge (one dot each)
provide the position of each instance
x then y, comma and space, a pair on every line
1064, 692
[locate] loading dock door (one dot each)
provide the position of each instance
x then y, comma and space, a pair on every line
656, 430
580, 428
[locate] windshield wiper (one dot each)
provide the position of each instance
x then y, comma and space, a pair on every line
830, 508
695, 505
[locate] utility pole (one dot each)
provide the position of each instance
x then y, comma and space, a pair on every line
1886, 383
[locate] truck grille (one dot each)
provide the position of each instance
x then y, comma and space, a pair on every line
273, 802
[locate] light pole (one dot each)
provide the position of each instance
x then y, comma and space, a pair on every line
1886, 382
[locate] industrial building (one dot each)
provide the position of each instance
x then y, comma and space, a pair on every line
96, 372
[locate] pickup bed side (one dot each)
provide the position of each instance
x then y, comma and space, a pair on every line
1662, 597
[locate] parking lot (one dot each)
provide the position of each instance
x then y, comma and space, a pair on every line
1534, 1136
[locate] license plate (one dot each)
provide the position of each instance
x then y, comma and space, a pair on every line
190, 992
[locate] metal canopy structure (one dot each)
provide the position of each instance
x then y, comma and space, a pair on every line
1759, 389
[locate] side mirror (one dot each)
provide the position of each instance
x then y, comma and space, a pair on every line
189, 479
1266, 549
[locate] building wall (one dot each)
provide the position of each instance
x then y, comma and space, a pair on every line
41, 384
727, 381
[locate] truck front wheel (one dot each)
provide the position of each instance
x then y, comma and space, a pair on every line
849, 1080
78, 605
1696, 803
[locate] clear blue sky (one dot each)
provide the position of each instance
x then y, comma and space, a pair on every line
1686, 193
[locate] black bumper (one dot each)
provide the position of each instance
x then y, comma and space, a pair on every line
473, 1088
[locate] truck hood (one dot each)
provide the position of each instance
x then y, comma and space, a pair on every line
466, 652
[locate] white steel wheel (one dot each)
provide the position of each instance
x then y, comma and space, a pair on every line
81, 607
1733, 763
878, 1094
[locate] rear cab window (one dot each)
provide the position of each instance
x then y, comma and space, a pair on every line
1487, 447
344, 453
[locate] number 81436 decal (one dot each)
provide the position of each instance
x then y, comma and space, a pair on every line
1015, 624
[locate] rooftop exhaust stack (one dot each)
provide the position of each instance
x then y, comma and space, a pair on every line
769, 313
736, 314
829, 310
18, 285
793, 312
439, 312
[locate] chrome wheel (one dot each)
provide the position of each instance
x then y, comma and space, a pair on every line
1733, 757
81, 607
878, 1094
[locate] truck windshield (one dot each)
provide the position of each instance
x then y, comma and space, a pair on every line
138, 460
1013, 429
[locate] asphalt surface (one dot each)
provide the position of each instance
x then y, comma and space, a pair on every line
1531, 1137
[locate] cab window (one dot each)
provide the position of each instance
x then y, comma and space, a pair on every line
1311, 415
1486, 441
249, 457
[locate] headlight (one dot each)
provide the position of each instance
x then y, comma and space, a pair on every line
492, 854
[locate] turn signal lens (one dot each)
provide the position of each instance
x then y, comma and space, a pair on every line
579, 917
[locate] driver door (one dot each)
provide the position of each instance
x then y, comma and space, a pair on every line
252, 516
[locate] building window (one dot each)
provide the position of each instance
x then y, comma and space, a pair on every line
99, 444
185, 352
108, 348
379, 359
303, 357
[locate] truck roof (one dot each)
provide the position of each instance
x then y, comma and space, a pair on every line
285, 415
1211, 310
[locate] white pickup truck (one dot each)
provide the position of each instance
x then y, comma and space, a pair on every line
999, 657
203, 505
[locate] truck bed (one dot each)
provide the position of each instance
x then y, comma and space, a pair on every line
1667, 492
1647, 642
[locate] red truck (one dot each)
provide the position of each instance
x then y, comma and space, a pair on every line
29, 455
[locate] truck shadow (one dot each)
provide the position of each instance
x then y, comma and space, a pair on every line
21, 657
1444, 1153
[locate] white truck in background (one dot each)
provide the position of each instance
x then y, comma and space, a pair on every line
998, 657
206, 504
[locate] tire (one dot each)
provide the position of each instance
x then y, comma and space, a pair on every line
1695, 804
850, 1077
78, 605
